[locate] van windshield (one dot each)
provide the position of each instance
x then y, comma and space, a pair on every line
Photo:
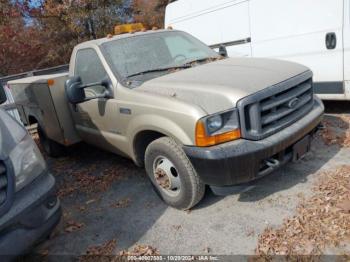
149, 55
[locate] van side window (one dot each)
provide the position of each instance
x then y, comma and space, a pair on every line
90, 69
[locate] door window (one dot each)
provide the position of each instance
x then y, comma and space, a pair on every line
90, 69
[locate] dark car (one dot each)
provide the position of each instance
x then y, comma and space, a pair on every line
29, 208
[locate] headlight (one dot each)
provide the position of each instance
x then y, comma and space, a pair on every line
217, 129
214, 123
27, 162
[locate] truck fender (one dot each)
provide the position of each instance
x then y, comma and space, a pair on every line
163, 126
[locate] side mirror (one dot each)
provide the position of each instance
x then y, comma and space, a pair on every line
223, 51
75, 90
3, 97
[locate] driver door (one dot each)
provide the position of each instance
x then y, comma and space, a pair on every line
95, 119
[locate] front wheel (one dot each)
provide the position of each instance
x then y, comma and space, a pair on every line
172, 174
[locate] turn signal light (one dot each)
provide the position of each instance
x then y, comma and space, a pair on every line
203, 140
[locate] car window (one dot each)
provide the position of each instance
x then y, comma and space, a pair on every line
146, 52
180, 47
138, 54
90, 69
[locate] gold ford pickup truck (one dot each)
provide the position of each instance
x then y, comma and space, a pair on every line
170, 103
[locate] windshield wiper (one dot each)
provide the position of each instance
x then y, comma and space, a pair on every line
160, 70
184, 66
201, 60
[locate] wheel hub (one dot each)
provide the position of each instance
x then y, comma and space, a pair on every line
166, 176
162, 179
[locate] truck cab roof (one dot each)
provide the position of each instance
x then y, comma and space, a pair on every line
101, 41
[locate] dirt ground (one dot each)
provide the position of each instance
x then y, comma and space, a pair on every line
109, 206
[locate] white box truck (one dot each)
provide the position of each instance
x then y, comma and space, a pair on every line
313, 33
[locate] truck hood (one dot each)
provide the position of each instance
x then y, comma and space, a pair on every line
219, 85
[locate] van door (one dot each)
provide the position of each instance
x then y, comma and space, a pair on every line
305, 31
346, 33
220, 22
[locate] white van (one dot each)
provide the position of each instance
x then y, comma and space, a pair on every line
315, 33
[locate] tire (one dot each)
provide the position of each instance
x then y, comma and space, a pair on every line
179, 185
52, 148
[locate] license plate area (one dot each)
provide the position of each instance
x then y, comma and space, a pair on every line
301, 148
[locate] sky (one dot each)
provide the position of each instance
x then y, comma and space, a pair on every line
37, 3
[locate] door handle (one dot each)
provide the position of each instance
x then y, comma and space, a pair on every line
331, 41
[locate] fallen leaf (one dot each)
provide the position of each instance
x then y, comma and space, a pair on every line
82, 208
44, 252
344, 206
104, 252
336, 131
177, 227
72, 226
317, 224
123, 203
105, 249
90, 201
141, 250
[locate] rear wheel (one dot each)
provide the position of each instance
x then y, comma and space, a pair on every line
172, 174
52, 148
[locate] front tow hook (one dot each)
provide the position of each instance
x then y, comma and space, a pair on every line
273, 163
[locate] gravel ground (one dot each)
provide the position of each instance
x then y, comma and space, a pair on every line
113, 200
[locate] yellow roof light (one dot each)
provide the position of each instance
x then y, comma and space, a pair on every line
128, 28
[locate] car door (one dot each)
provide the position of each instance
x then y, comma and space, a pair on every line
308, 32
96, 120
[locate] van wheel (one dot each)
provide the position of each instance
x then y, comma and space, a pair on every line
172, 174
52, 148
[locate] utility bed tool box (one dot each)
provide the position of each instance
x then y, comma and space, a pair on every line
42, 99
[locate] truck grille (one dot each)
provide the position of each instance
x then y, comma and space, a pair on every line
274, 108
3, 183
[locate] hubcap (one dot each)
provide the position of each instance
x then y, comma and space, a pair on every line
166, 176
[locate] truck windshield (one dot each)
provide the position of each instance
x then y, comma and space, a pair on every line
155, 53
